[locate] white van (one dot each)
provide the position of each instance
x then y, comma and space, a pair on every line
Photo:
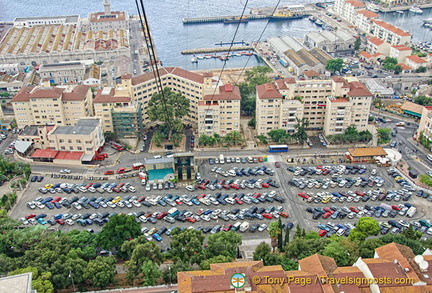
221, 159
244, 227
250, 159
157, 157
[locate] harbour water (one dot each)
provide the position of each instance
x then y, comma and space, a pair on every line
171, 36
165, 20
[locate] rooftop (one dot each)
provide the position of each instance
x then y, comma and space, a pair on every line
169, 70
226, 92
268, 91
30, 130
416, 59
412, 107
358, 89
376, 41
367, 152
390, 28
82, 127
401, 47
368, 13
21, 283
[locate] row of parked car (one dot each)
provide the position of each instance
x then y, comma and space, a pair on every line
70, 219
302, 182
236, 184
222, 160
86, 187
406, 185
383, 210
330, 170
248, 171
357, 196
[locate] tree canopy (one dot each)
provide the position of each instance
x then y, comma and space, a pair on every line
334, 65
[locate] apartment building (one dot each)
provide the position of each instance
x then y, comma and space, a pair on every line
415, 62
62, 105
107, 20
279, 105
377, 45
192, 85
425, 125
220, 112
85, 136
347, 9
400, 52
118, 113
64, 72
362, 19
390, 33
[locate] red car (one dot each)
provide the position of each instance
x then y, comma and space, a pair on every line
322, 233
265, 185
109, 172
56, 199
354, 209
304, 195
120, 185
361, 193
29, 216
161, 215
277, 165
201, 187
200, 212
283, 214
116, 189
141, 198
260, 159
60, 221
238, 200
235, 186
326, 215
120, 170
226, 186
325, 171
227, 227
328, 210
191, 219
267, 216
395, 207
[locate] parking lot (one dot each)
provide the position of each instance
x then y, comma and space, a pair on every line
242, 194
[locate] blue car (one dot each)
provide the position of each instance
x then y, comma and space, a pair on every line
157, 237
49, 205
58, 216
57, 205
41, 221
195, 201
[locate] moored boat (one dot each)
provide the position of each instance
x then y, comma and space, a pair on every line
194, 59
236, 19
416, 10
399, 12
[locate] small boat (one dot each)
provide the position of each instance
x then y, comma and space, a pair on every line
427, 20
319, 22
236, 19
224, 58
399, 12
208, 56
416, 10
238, 54
194, 59
372, 7
249, 54
312, 18
200, 57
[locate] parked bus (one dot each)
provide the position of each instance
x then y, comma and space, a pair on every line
278, 148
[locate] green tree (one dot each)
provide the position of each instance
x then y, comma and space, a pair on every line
287, 236
151, 273
278, 135
280, 236
261, 251
254, 77
116, 231
368, 225
383, 135
101, 271
262, 139
110, 136
299, 248
233, 137
274, 230
367, 247
334, 65
389, 63
300, 135
423, 100
204, 140
252, 122
289, 265
40, 283
397, 69
170, 273
223, 243
357, 43
342, 250
205, 264
421, 69
187, 245
411, 234
129, 246
168, 107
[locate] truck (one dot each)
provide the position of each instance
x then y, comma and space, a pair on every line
137, 166
100, 157
411, 211
236, 226
244, 227
173, 212
117, 146
221, 159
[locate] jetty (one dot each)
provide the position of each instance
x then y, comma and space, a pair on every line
218, 49
211, 19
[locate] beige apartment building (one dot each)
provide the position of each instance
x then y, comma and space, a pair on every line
220, 112
279, 105
425, 125
389, 33
62, 105
85, 136
192, 85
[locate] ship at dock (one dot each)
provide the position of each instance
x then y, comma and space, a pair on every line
285, 15
236, 19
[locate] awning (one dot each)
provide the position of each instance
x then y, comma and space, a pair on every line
413, 113
22, 146
87, 158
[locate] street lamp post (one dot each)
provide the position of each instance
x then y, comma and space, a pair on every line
71, 276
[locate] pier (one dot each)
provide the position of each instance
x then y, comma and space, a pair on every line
218, 49
211, 19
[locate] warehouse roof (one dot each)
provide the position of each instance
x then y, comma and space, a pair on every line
367, 152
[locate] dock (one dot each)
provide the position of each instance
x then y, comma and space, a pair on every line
211, 19
213, 50
403, 8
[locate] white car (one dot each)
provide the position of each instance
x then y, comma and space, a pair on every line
65, 171
131, 189
190, 188
111, 204
148, 187
429, 157
70, 222
77, 205
262, 227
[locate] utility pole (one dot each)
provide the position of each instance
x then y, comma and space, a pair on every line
71, 276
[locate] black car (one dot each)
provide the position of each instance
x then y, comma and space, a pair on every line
254, 227
40, 179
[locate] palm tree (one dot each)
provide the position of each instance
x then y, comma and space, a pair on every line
274, 231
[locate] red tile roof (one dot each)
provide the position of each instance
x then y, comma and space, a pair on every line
268, 91
391, 28
48, 153
339, 100
226, 92
337, 78
311, 73
45, 93
368, 13
358, 89
416, 59
74, 156
23, 95
355, 3
169, 70
365, 54
280, 84
428, 107
110, 98
401, 47
77, 94
376, 41
404, 66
